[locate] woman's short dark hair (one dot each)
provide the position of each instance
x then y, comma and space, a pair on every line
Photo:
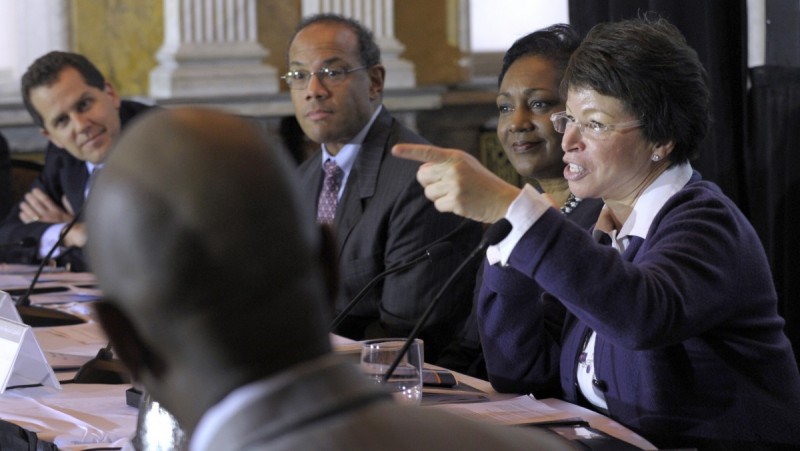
556, 43
647, 65
45, 70
369, 52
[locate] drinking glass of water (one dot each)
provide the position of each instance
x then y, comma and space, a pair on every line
406, 380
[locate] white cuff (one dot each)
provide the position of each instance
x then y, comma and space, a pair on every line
523, 213
49, 239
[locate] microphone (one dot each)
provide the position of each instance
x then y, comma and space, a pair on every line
102, 369
436, 252
36, 316
493, 235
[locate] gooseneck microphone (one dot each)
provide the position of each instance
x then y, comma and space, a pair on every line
36, 316
493, 235
436, 252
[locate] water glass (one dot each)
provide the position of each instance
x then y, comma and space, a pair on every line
406, 380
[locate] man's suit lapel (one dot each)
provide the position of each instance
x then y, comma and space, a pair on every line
311, 181
363, 180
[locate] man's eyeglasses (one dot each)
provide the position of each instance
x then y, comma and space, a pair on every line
299, 79
592, 129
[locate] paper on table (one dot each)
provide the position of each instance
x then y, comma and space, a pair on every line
65, 297
519, 410
75, 278
14, 281
21, 281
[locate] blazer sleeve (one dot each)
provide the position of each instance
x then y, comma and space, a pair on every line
520, 327
701, 266
50, 181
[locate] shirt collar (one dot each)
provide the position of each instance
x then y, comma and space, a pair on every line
653, 199
91, 166
348, 153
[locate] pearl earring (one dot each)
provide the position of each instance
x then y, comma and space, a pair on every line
656, 158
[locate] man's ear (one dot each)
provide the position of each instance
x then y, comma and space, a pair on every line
115, 98
127, 343
330, 264
377, 77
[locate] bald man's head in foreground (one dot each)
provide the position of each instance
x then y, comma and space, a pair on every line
213, 276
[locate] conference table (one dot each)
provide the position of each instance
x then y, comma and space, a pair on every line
97, 416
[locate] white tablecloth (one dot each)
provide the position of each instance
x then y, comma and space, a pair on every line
78, 417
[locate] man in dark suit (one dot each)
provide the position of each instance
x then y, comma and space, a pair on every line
82, 116
379, 213
217, 299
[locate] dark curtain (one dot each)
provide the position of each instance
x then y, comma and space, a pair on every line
774, 181
718, 32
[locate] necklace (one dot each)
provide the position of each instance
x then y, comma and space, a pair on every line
570, 204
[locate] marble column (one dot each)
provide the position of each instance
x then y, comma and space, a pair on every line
211, 49
378, 16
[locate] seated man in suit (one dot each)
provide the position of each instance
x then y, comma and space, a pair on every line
82, 116
219, 306
377, 209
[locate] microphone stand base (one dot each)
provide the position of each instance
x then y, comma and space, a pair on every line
101, 371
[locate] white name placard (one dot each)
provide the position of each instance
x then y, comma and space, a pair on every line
7, 308
22, 361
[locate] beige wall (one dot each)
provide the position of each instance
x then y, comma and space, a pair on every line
123, 36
